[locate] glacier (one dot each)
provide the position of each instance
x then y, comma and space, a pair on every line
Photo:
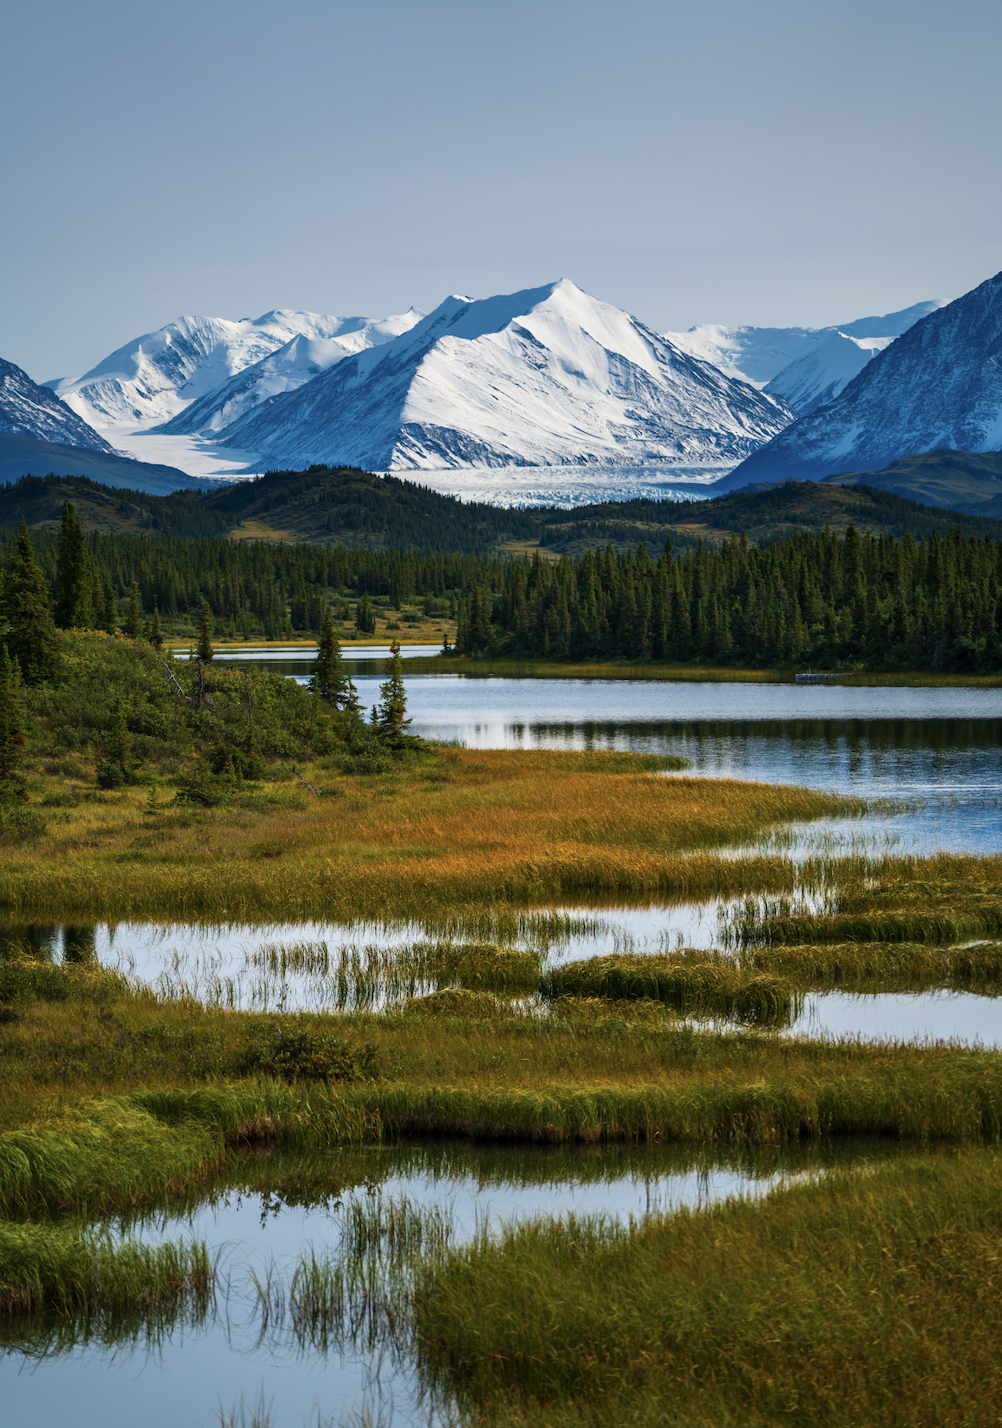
154, 377
290, 366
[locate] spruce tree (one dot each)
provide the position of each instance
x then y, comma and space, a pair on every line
12, 720
329, 680
114, 769
25, 618
204, 648
392, 710
134, 618
365, 617
109, 610
154, 633
73, 574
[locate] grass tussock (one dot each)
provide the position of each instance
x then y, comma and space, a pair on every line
352, 978
882, 966
862, 1298
75, 1273
113, 1154
691, 983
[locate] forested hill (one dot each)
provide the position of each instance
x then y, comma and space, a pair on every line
321, 506
763, 515
331, 507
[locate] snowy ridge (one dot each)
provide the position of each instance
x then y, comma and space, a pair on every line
938, 386
819, 376
155, 376
759, 354
546, 376
297, 362
27, 409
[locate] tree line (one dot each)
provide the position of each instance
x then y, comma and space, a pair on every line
874, 602
99, 580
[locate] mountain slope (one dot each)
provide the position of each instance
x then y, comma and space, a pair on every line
961, 479
28, 410
759, 354
297, 362
547, 376
825, 371
939, 385
155, 376
24, 455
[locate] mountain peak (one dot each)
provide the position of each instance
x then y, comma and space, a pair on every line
937, 386
543, 376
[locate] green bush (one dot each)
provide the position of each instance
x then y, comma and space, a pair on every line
298, 1053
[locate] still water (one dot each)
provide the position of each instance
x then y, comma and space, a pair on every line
263, 1225
935, 754
937, 750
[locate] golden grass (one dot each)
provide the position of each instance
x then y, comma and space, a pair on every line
468, 827
693, 673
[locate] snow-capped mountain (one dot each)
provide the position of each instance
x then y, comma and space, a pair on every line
759, 354
938, 386
27, 409
155, 376
297, 362
823, 372
547, 376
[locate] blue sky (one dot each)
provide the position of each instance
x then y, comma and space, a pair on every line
721, 161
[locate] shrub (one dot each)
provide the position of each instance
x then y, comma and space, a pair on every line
298, 1053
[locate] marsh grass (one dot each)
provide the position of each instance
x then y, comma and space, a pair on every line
875, 967
850, 1299
352, 978
692, 983
102, 1289
503, 827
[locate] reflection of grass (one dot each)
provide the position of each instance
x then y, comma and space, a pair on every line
848, 1300
491, 826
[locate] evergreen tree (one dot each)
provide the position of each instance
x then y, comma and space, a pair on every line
73, 574
109, 610
329, 680
114, 769
204, 648
153, 632
392, 710
25, 618
365, 617
134, 618
12, 720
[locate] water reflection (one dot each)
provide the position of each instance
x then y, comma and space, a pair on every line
937, 750
339, 1209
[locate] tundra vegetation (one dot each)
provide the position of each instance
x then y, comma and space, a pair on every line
136, 785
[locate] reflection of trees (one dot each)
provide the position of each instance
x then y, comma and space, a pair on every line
29, 939
79, 943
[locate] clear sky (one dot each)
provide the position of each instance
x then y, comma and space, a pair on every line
766, 161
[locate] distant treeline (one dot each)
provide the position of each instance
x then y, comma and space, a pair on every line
256, 588
873, 601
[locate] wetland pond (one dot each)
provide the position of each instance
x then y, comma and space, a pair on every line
931, 757
365, 1219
